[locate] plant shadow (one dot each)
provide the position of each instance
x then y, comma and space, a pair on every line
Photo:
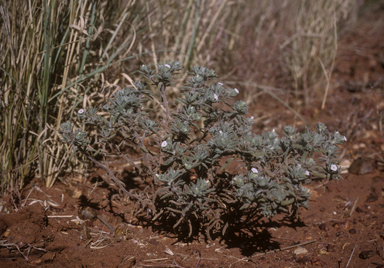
255, 236
251, 237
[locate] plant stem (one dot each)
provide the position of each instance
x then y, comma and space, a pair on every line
165, 102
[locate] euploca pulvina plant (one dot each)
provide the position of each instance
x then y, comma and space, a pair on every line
187, 150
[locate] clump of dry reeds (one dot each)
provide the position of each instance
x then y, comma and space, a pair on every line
289, 45
52, 55
286, 44
310, 51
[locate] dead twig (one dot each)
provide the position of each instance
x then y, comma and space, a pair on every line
351, 255
353, 207
238, 260
281, 249
155, 260
30, 247
60, 216
26, 199
161, 265
198, 262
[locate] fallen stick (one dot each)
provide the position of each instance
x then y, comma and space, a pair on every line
60, 216
354, 247
281, 249
353, 208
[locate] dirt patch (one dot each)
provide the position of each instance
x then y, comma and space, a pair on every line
345, 221
343, 227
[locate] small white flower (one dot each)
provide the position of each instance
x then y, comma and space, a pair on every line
220, 83
163, 144
345, 138
215, 97
254, 170
252, 117
81, 111
236, 90
334, 167
167, 65
221, 132
306, 173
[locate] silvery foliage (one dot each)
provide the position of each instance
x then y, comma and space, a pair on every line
187, 153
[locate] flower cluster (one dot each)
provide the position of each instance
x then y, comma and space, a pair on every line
189, 150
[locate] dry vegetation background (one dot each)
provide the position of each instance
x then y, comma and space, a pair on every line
59, 56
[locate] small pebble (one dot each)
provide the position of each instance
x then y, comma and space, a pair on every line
339, 233
372, 197
361, 166
352, 231
366, 254
300, 250
318, 262
323, 251
359, 210
323, 227
330, 248
339, 224
304, 260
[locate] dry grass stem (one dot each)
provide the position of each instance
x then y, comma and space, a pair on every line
285, 248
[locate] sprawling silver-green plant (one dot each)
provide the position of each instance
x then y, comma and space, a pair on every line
188, 151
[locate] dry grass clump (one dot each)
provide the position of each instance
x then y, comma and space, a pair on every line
53, 53
287, 44
290, 44
310, 51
